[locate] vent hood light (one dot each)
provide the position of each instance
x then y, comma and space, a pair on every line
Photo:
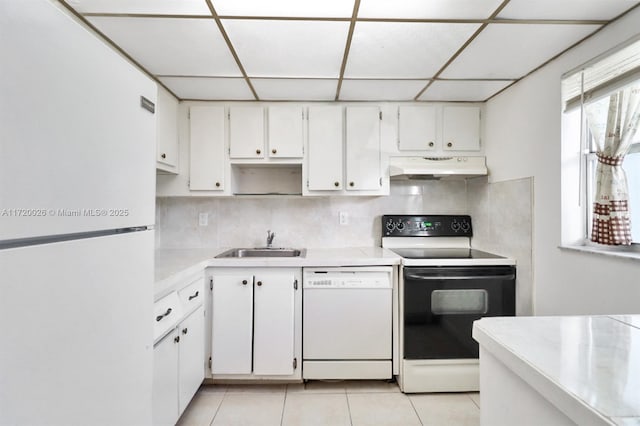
436, 167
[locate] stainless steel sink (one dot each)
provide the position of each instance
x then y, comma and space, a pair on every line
263, 252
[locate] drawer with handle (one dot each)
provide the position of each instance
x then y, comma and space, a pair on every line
166, 314
192, 295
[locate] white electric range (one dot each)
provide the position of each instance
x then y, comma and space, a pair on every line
445, 285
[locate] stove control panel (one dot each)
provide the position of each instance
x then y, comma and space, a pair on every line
426, 226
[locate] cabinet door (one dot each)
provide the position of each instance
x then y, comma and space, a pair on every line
207, 156
417, 128
363, 148
461, 128
231, 339
274, 324
325, 149
165, 380
191, 356
285, 132
246, 132
166, 131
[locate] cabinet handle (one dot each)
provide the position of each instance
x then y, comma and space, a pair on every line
163, 155
258, 151
194, 295
259, 283
450, 144
159, 317
244, 282
336, 184
431, 144
217, 184
351, 184
176, 339
185, 330
274, 151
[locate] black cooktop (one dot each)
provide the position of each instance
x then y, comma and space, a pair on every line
443, 253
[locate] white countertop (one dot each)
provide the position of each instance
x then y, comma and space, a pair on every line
589, 367
173, 266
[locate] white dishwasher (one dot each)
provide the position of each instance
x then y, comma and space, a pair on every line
347, 323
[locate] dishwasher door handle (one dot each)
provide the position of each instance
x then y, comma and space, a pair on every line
459, 277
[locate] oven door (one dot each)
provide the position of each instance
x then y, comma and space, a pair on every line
441, 303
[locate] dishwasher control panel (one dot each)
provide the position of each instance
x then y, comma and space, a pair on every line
336, 280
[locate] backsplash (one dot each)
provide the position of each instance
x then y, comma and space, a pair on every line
298, 221
502, 215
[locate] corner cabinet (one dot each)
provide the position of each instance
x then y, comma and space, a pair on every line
256, 323
207, 155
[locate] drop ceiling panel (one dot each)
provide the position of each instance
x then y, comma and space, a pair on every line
208, 88
160, 7
380, 90
512, 50
432, 9
285, 8
275, 48
170, 46
565, 9
473, 90
277, 89
395, 50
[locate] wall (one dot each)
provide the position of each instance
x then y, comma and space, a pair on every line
298, 221
523, 139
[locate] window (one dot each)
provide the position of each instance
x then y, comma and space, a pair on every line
631, 166
602, 111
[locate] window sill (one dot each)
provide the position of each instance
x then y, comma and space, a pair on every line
632, 253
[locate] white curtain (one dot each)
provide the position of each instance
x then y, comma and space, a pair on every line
613, 122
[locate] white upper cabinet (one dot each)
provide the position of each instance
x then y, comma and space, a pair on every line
208, 161
324, 156
439, 128
166, 132
417, 128
363, 168
461, 128
246, 132
286, 133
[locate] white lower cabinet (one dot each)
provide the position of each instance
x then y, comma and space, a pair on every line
256, 323
178, 357
165, 380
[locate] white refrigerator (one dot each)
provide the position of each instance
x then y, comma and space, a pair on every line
77, 185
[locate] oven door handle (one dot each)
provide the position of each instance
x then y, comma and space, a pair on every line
459, 277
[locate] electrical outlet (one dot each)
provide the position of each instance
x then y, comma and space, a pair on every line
203, 219
344, 218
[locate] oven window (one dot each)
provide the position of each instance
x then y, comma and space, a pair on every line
459, 302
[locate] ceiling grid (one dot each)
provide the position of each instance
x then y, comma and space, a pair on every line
355, 50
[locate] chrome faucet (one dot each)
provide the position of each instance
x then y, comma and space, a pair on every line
270, 236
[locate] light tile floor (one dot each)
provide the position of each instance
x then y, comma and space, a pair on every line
355, 403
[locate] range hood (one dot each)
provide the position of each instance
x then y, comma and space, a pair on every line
436, 167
